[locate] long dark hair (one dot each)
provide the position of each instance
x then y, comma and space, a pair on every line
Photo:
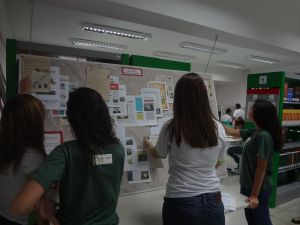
90, 120
193, 119
22, 127
265, 116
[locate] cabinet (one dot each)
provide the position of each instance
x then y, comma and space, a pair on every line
284, 92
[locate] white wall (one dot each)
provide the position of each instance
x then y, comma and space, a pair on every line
5, 33
222, 74
230, 84
230, 94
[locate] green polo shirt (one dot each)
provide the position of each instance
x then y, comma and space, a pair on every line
256, 144
88, 194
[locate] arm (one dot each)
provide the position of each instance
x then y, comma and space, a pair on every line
233, 132
26, 200
258, 181
150, 148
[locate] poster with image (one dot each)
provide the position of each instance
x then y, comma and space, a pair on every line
162, 86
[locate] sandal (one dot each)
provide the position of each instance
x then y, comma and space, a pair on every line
296, 220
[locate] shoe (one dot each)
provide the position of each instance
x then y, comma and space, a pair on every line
296, 220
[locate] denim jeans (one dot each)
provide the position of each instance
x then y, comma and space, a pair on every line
204, 209
261, 214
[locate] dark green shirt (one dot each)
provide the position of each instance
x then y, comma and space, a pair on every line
256, 144
88, 194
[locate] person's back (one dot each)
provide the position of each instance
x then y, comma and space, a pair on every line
21, 150
88, 194
238, 112
195, 143
227, 116
12, 181
89, 170
192, 170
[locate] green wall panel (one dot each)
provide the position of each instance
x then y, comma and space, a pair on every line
144, 61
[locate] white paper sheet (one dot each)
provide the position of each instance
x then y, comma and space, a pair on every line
128, 120
136, 163
156, 93
162, 86
98, 79
228, 202
51, 100
170, 85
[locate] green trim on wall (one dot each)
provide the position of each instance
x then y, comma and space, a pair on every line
11, 69
274, 79
143, 61
125, 59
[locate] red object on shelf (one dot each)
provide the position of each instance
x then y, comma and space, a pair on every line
286, 87
263, 91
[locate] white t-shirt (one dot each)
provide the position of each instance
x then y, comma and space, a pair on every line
192, 170
239, 113
226, 118
11, 183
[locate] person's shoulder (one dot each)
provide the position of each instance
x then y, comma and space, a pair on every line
68, 145
116, 148
264, 134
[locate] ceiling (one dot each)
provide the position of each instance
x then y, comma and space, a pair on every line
268, 28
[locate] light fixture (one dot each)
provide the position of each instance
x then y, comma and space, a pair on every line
202, 48
262, 59
173, 55
229, 64
115, 31
97, 44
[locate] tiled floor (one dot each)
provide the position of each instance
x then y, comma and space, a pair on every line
281, 215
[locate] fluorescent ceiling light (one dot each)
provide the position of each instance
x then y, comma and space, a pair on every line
201, 48
231, 65
173, 55
262, 59
115, 31
97, 44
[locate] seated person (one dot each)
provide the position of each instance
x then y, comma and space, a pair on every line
226, 118
236, 151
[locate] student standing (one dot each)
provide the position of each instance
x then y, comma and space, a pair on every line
238, 112
194, 142
227, 117
21, 150
256, 167
89, 169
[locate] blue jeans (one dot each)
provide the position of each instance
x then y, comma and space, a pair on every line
261, 214
204, 209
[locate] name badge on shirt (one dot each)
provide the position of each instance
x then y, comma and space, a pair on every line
102, 159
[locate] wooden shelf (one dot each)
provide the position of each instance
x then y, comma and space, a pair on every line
291, 123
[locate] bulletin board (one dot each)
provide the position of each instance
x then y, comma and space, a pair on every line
134, 79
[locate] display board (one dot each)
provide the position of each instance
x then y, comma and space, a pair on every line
140, 101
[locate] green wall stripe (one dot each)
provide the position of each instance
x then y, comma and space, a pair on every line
125, 59
152, 62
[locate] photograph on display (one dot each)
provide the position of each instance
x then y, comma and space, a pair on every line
163, 92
